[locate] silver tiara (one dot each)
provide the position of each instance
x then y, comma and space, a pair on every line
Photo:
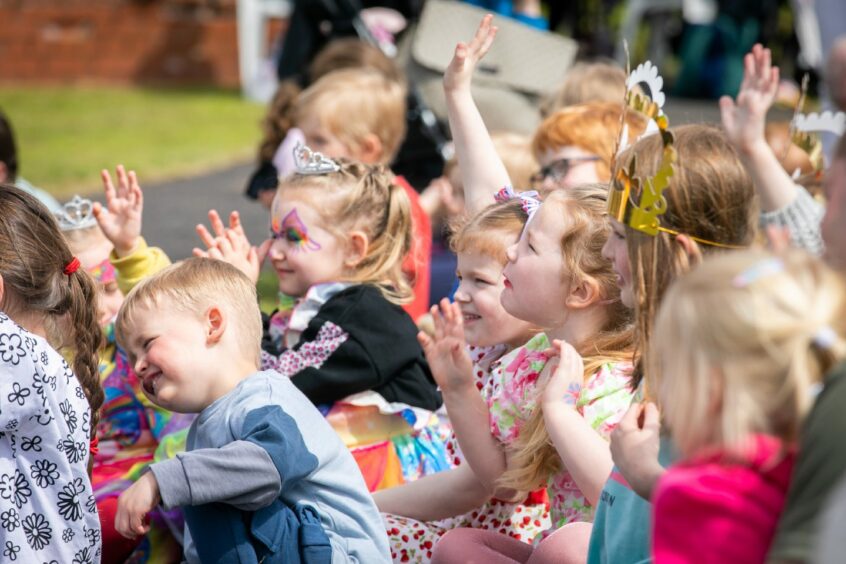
76, 214
307, 161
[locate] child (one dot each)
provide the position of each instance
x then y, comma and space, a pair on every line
258, 446
50, 410
339, 232
587, 82
360, 115
414, 512
759, 338
572, 294
132, 429
574, 146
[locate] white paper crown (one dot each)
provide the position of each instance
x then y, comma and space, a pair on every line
76, 214
307, 161
826, 121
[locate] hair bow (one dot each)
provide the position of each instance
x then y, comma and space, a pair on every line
529, 199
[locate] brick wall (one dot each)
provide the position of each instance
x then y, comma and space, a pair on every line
179, 42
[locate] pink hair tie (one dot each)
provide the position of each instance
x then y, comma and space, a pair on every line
71, 267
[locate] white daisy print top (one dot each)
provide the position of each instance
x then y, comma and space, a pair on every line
47, 510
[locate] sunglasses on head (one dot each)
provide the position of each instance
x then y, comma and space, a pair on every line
558, 170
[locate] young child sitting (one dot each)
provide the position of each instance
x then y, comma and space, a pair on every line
260, 459
414, 513
49, 408
339, 232
359, 114
758, 338
132, 430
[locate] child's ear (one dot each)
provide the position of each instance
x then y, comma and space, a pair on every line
370, 149
357, 247
690, 248
584, 294
215, 325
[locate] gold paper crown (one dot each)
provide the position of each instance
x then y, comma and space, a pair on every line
644, 215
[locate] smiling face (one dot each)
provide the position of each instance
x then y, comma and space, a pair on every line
486, 323
303, 252
617, 252
167, 347
535, 290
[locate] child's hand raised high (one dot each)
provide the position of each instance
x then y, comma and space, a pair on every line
448, 359
134, 504
744, 120
459, 73
120, 220
231, 245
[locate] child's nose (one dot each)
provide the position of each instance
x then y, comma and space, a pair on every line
140, 365
461, 295
276, 252
511, 253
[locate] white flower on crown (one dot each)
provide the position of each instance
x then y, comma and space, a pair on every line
826, 121
647, 73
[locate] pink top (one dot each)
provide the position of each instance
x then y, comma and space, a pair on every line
712, 509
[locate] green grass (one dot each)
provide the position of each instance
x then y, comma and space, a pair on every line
268, 290
66, 135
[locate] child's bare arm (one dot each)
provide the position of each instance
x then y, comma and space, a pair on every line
438, 496
120, 220
744, 121
482, 171
585, 454
468, 412
133, 505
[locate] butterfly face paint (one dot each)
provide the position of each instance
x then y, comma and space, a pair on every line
293, 230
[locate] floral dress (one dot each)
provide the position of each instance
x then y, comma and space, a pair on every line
47, 509
412, 540
601, 399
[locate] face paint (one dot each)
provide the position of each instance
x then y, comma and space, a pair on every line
294, 231
104, 273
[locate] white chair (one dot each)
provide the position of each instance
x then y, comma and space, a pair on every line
258, 77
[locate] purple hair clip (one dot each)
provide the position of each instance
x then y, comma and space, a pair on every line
528, 199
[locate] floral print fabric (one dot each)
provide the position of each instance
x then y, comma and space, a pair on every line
601, 399
47, 509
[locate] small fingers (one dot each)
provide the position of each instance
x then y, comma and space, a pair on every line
263, 250
123, 181
216, 223
200, 253
651, 416
205, 236
108, 186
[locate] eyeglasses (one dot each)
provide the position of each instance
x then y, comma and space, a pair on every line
558, 170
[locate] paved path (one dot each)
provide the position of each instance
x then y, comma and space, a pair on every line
172, 209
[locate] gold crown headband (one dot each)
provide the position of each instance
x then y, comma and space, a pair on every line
644, 215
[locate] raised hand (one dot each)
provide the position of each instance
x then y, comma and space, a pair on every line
231, 245
459, 73
120, 220
567, 376
744, 119
134, 504
446, 353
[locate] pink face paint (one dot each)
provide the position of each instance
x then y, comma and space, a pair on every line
294, 231
104, 273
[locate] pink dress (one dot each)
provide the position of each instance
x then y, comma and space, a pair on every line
715, 509
602, 399
414, 541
